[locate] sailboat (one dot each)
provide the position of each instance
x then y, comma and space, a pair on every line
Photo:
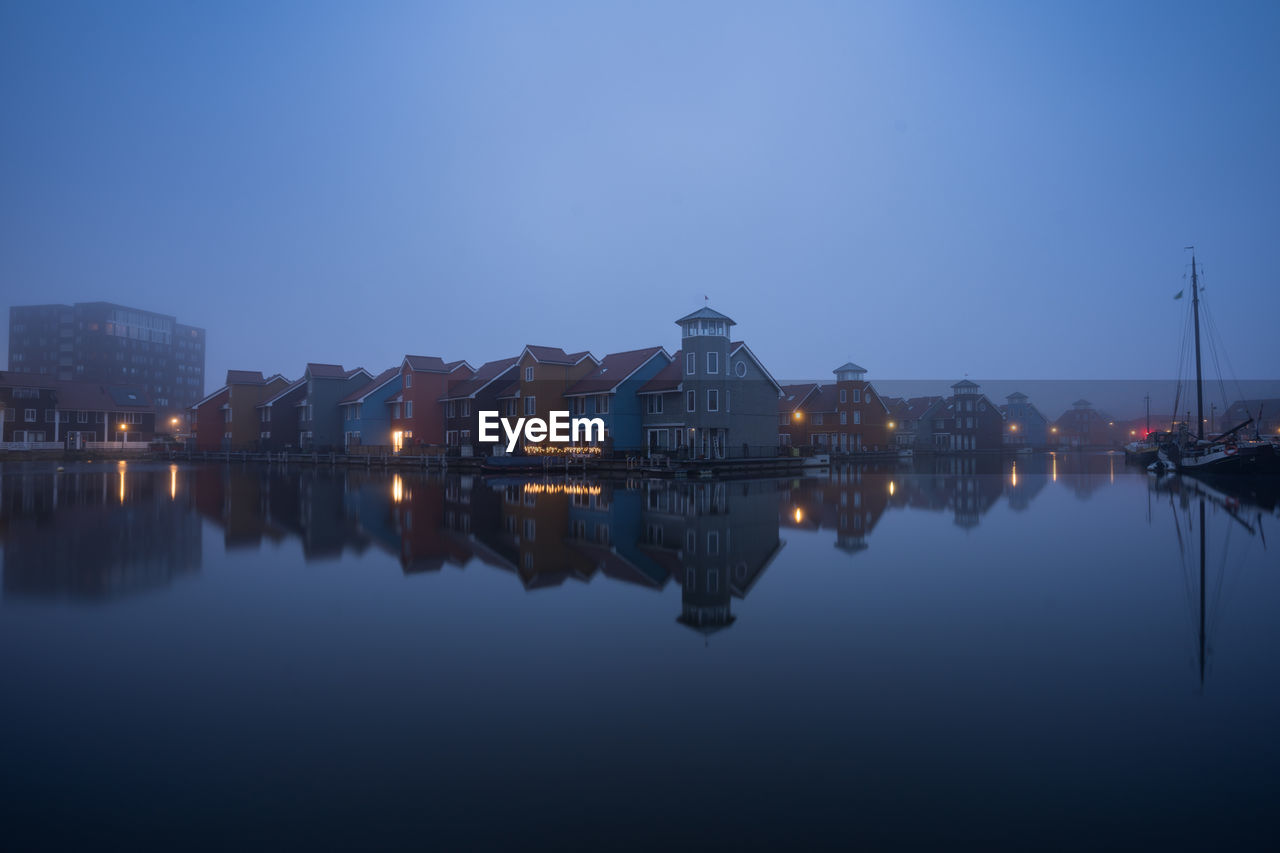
1221, 454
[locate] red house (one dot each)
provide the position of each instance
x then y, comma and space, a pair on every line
417, 415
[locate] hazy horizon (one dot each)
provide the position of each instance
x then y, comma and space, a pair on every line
927, 189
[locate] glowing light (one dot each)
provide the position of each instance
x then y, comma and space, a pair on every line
1013, 427
798, 515
799, 416
1055, 467
173, 421
1133, 432
121, 466
397, 489
562, 449
892, 425
397, 440
1053, 429
173, 482
1013, 478
561, 489
891, 487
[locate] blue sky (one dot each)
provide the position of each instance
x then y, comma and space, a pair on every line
930, 189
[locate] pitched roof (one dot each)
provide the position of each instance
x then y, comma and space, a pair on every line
612, 371
325, 371
965, 384
666, 379
291, 387
432, 363
555, 355
368, 388
486, 374
849, 365
706, 314
917, 406
736, 346
90, 396
793, 396
245, 377
510, 389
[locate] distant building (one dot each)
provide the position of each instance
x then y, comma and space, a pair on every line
111, 345
966, 421
417, 415
44, 410
470, 393
1024, 426
1084, 426
904, 419
278, 418
847, 416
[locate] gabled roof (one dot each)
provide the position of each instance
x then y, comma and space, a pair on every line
793, 396
318, 370
432, 364
705, 314
488, 373
965, 385
849, 365
245, 377
358, 395
917, 406
356, 371
737, 346
613, 370
288, 389
666, 379
1016, 395
208, 397
555, 355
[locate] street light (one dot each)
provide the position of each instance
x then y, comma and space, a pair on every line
123, 433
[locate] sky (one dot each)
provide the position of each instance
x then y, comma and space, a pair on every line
931, 189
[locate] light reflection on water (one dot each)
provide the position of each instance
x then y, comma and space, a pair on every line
1014, 646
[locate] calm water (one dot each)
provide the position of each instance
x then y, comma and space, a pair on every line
962, 654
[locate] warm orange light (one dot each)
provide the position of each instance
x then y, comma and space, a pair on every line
1013, 427
397, 440
891, 426
173, 421
891, 487
397, 489
1054, 429
123, 427
799, 416
799, 516
173, 482
1013, 479
1133, 432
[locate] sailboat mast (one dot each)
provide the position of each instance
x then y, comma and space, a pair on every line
1195, 309
1202, 592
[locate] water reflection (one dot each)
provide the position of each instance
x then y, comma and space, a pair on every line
94, 532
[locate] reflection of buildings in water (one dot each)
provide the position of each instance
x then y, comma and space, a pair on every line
1085, 472
715, 538
967, 485
850, 500
93, 532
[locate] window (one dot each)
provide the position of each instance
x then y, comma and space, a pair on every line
691, 401
713, 580
578, 405
713, 542
844, 395
691, 364
408, 379
528, 374
713, 400
82, 417
817, 419
654, 405
29, 415
727, 392
602, 404
451, 437
857, 395
530, 529
531, 404
451, 409
857, 417
713, 362
844, 417
408, 408
740, 368
784, 419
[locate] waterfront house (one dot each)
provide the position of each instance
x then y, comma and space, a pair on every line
278, 417
72, 413
801, 411
417, 416
904, 418
609, 392
965, 421
319, 417
1024, 426
208, 420
366, 411
544, 375
1083, 426
861, 414
715, 400
469, 395
245, 390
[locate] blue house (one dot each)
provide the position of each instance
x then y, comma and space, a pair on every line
1024, 426
609, 392
366, 411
